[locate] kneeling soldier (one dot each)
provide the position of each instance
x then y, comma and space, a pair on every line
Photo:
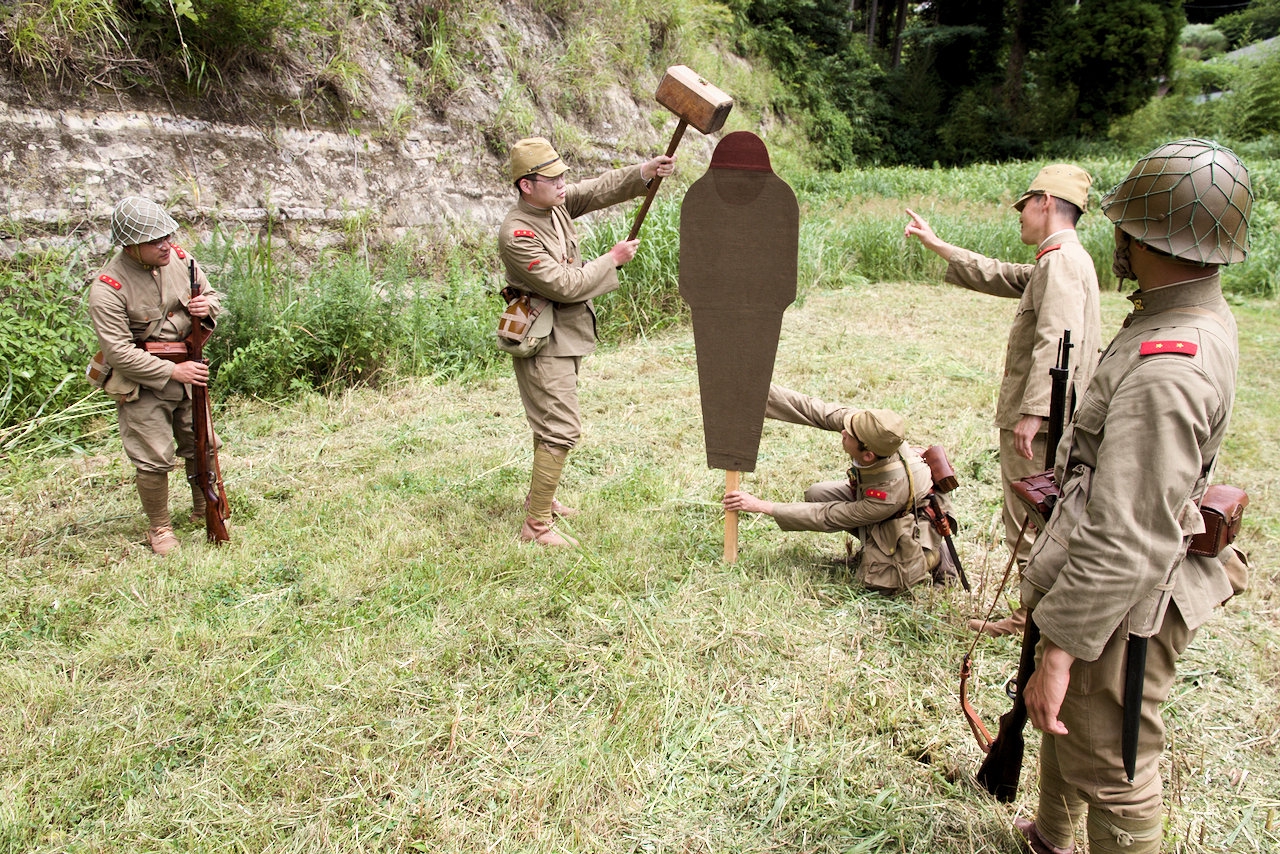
883, 502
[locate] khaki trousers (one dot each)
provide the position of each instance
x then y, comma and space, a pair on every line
151, 426
549, 391
1013, 466
1086, 764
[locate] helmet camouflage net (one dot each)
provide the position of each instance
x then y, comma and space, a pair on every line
137, 220
1190, 199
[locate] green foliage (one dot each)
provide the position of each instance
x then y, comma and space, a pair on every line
649, 297
218, 31
1114, 53
1255, 105
1202, 41
45, 339
59, 38
1261, 20
353, 321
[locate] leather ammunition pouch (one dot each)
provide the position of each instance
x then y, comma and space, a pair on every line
1038, 494
1222, 509
944, 476
170, 351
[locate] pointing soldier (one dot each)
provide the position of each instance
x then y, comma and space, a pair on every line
1111, 575
141, 298
1056, 293
540, 255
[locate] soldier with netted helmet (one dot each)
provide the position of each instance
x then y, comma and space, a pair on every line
1111, 576
141, 297
883, 502
1058, 292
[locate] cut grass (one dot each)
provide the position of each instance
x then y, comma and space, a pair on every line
373, 662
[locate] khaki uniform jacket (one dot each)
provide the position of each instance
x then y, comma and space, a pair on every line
1133, 466
887, 497
1059, 291
540, 255
130, 303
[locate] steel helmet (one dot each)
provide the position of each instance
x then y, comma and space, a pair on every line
137, 220
1190, 199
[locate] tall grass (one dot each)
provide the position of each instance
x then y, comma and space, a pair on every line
366, 313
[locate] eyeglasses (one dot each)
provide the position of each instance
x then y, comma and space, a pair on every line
160, 242
557, 182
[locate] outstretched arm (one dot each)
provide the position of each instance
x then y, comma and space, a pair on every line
921, 230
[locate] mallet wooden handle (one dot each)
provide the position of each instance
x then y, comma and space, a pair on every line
730, 520
657, 181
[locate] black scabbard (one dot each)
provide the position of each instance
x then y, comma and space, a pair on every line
1135, 671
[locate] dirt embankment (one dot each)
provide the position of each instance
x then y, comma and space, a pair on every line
63, 165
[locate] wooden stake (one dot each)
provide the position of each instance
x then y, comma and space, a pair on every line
730, 520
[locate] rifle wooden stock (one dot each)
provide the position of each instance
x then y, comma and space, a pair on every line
208, 476
1001, 769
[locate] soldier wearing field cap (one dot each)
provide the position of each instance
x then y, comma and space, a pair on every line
882, 501
1111, 575
540, 255
141, 296
1058, 292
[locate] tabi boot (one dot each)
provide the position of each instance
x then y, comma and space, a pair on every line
153, 490
544, 534
540, 504
1014, 624
1035, 842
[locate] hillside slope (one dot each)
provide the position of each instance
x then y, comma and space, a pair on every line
403, 154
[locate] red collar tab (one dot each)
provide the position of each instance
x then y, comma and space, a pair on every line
1045, 251
182, 256
1154, 348
110, 281
523, 232
876, 493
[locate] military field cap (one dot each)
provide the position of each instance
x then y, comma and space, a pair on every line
535, 156
1062, 181
881, 430
137, 220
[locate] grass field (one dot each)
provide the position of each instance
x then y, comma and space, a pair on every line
374, 663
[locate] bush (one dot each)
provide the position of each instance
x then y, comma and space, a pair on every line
355, 320
45, 337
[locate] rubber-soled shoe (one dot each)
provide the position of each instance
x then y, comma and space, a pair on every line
162, 540
557, 509
1027, 827
544, 534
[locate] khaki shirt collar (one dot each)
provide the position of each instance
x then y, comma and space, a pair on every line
1062, 235
1198, 292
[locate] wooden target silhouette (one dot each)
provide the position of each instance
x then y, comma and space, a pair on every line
739, 249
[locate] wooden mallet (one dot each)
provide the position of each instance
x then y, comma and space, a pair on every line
695, 102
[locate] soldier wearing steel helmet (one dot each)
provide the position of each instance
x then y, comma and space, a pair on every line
540, 255
142, 296
1111, 575
882, 502
1058, 292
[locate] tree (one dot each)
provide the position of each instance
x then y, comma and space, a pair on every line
1115, 54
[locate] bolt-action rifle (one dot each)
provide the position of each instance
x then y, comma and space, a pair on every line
1002, 766
208, 476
